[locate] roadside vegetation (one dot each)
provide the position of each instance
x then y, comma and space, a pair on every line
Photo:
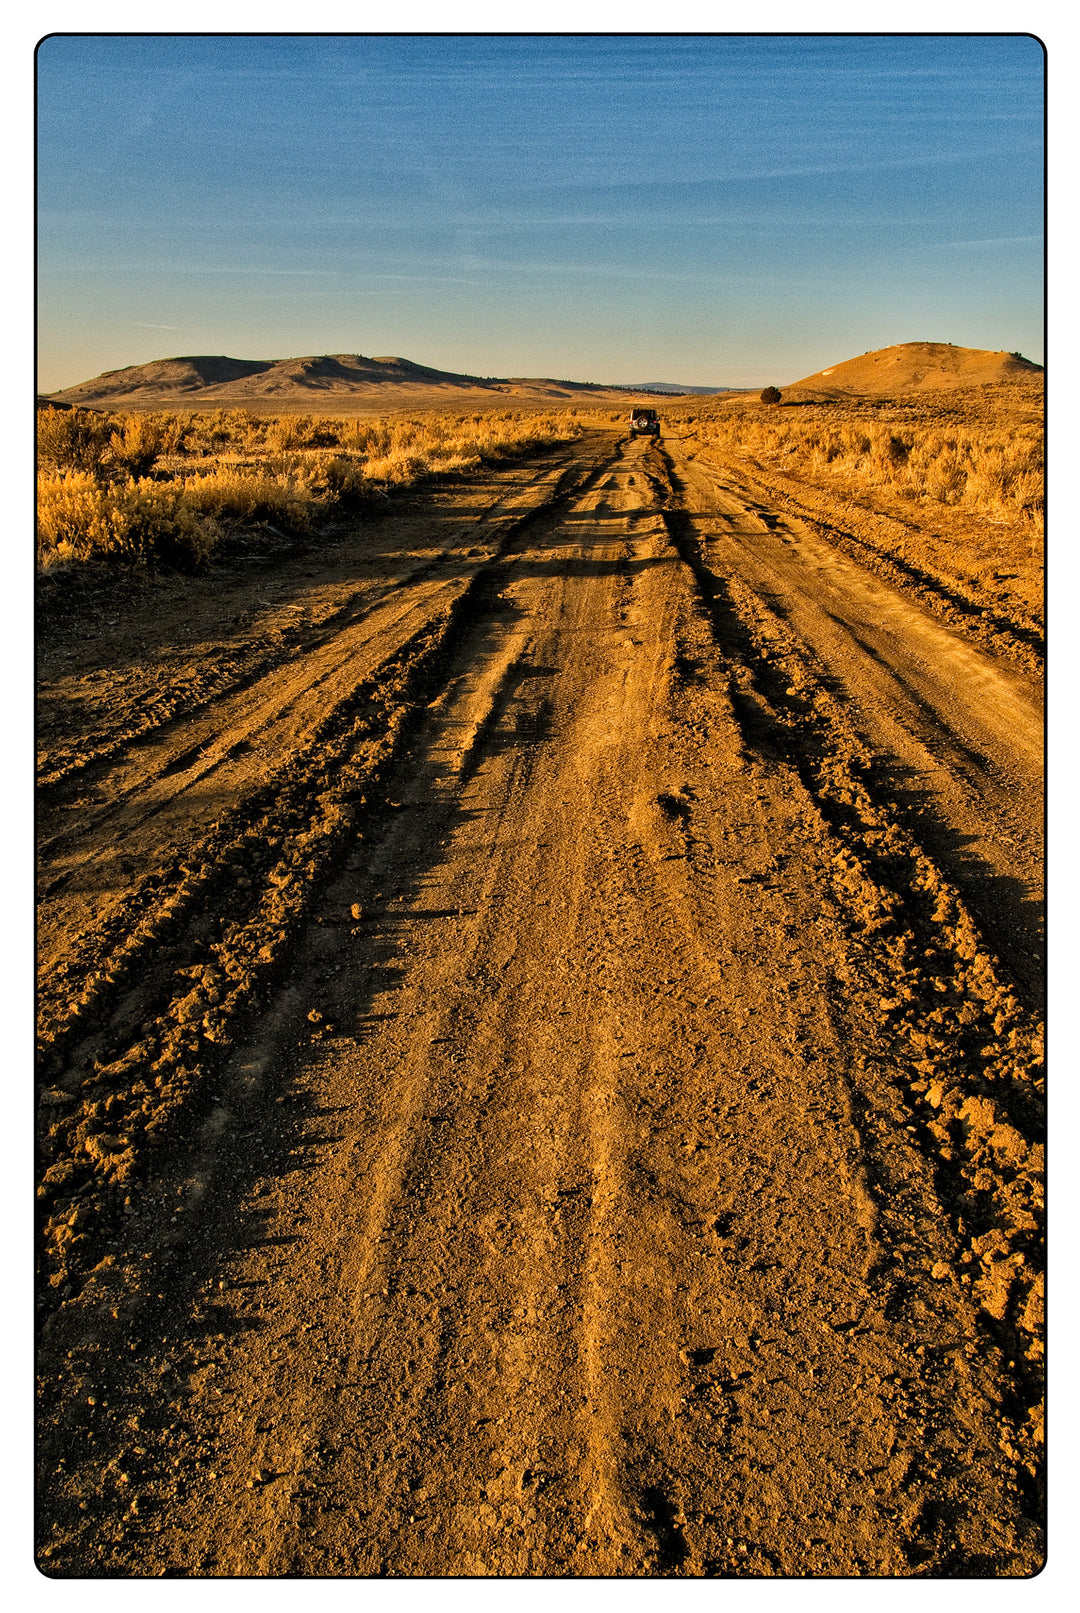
996, 473
164, 487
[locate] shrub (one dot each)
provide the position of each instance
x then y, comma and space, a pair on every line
290, 431
72, 439
69, 507
771, 395
208, 433
140, 439
141, 519
344, 480
95, 498
153, 521
243, 496
998, 473
396, 467
110, 446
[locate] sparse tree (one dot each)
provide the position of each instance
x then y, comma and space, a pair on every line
771, 395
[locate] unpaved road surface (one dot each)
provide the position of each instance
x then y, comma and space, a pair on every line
540, 1046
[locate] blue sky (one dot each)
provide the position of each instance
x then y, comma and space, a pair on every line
727, 210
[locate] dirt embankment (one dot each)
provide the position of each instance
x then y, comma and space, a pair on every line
538, 1072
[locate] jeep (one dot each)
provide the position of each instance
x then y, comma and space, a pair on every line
644, 423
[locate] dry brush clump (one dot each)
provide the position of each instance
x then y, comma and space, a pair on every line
158, 487
992, 472
137, 519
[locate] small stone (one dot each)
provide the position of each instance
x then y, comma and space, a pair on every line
54, 1097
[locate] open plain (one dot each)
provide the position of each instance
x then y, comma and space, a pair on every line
541, 1001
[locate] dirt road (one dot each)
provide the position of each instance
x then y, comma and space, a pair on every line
541, 1054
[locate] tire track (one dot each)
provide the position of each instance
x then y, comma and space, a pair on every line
577, 1207
1017, 637
125, 1052
945, 731
150, 713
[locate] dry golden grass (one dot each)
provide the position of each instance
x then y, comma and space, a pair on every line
137, 519
992, 472
160, 486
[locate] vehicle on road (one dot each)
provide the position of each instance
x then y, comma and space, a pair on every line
644, 423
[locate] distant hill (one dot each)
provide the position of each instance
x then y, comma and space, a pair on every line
336, 379
916, 367
218, 381
674, 386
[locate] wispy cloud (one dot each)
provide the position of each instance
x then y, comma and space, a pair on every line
750, 173
995, 240
167, 264
246, 269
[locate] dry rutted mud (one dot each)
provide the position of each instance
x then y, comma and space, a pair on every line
534, 1079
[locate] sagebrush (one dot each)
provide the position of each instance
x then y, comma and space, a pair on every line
163, 488
996, 473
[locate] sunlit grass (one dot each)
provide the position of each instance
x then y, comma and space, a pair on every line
163, 487
998, 473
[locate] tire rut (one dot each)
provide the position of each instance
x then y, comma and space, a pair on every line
963, 783
124, 1053
1016, 637
635, 1171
